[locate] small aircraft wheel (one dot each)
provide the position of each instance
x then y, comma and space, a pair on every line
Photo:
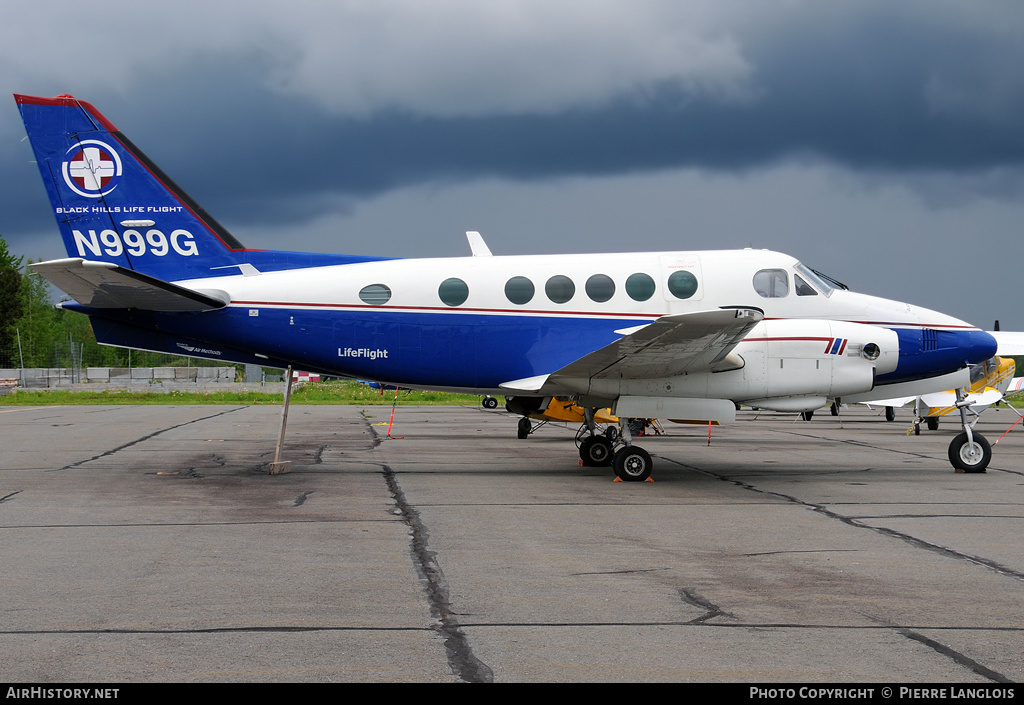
596, 451
611, 433
490, 403
890, 413
806, 415
632, 464
970, 457
933, 423
524, 427
834, 409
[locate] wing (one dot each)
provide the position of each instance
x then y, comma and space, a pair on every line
942, 403
898, 401
672, 345
1009, 343
106, 285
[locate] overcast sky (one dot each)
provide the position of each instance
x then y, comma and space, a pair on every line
879, 142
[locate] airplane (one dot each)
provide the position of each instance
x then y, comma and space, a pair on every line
677, 335
568, 410
989, 382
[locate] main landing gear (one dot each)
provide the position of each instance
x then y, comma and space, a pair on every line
630, 463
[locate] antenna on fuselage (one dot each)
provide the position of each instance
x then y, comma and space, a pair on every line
477, 244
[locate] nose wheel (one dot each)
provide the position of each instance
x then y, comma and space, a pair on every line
969, 452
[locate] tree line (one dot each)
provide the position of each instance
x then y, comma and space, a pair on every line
35, 333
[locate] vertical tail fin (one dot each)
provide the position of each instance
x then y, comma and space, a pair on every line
112, 203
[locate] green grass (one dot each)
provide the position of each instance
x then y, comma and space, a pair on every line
340, 392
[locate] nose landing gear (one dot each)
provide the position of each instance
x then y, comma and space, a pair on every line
969, 452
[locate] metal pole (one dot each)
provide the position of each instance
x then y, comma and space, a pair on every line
21, 356
278, 466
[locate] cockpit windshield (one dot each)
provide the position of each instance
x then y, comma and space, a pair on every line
816, 281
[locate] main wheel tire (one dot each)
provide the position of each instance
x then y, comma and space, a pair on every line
932, 422
890, 413
596, 451
970, 457
490, 403
524, 427
632, 464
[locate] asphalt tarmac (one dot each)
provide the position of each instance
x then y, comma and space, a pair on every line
143, 544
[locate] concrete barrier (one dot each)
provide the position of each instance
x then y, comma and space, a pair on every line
168, 378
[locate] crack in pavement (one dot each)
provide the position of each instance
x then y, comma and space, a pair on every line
145, 438
460, 655
942, 649
955, 655
857, 523
692, 597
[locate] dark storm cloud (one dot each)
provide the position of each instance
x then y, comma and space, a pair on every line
860, 99
875, 91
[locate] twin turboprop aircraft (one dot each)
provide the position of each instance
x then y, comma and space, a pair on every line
676, 335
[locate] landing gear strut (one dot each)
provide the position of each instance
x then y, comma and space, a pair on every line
969, 451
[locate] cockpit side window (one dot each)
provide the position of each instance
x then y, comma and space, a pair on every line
817, 282
978, 373
771, 283
802, 287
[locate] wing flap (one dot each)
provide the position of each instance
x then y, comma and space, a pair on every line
107, 285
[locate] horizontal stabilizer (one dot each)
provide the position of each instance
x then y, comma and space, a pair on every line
107, 285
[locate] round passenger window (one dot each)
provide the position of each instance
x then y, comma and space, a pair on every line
640, 286
682, 284
453, 292
600, 288
519, 290
560, 288
375, 294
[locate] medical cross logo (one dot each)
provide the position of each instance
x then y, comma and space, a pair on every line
92, 169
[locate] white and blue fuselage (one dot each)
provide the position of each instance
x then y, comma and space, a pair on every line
679, 334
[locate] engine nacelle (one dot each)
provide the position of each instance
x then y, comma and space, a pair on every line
797, 364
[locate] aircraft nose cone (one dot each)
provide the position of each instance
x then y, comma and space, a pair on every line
982, 346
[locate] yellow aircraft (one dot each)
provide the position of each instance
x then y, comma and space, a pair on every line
562, 409
990, 380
